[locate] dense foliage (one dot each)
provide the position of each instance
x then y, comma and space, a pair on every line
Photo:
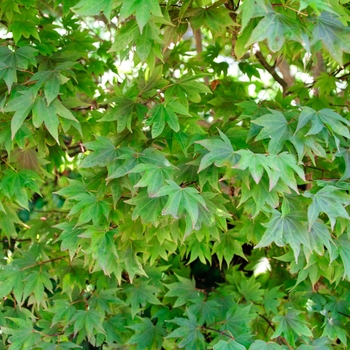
174, 174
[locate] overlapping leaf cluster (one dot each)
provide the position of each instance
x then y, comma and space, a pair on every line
174, 174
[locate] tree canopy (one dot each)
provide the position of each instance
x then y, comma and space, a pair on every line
174, 174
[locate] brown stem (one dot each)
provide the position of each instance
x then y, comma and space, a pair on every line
220, 332
272, 71
42, 263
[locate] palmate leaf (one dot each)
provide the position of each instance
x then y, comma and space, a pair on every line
90, 208
329, 200
344, 251
161, 115
180, 200
23, 336
142, 9
275, 128
261, 345
215, 17
189, 332
229, 345
21, 105
93, 7
35, 283
16, 184
221, 152
153, 176
104, 152
291, 325
275, 28
323, 119
184, 290
89, 321
140, 293
11, 280
206, 311
333, 34
10, 61
227, 247
318, 344
148, 209
236, 320
147, 336
286, 229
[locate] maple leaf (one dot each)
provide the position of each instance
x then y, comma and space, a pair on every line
140, 293
261, 345
91, 7
184, 290
189, 332
206, 311
145, 207
274, 27
321, 119
153, 177
227, 246
91, 208
10, 61
23, 336
329, 200
275, 128
89, 321
181, 199
286, 229
220, 152
148, 335
334, 36
229, 345
16, 185
291, 325
142, 9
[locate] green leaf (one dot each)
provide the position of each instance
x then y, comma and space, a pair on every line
104, 152
143, 10
221, 152
286, 229
275, 28
344, 251
11, 278
189, 332
92, 7
329, 200
275, 128
35, 283
15, 185
21, 105
321, 119
333, 34
149, 209
88, 320
140, 293
184, 290
261, 345
181, 199
23, 336
147, 336
229, 345
291, 325
91, 208
206, 311
227, 247
52, 88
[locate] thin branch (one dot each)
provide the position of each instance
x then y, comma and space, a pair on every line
272, 71
273, 328
217, 331
42, 263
